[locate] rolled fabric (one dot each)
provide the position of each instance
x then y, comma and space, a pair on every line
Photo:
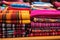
44, 12
44, 34
46, 20
33, 24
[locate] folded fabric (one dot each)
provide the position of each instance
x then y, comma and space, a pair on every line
46, 20
14, 30
44, 30
44, 34
8, 3
15, 8
14, 0
20, 5
41, 4
38, 2
26, 30
56, 4
15, 15
44, 12
42, 8
15, 21
33, 24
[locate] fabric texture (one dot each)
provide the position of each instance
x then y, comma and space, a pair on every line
24, 22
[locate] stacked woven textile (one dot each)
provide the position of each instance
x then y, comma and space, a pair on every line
17, 20
14, 22
45, 23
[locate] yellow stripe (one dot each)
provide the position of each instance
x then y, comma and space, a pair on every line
25, 21
19, 14
25, 15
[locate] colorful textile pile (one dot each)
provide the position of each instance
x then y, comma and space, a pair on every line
14, 22
45, 23
18, 20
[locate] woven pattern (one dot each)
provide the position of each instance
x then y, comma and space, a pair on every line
14, 30
20, 22
45, 23
15, 22
17, 16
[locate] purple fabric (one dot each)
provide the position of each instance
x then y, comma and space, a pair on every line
33, 24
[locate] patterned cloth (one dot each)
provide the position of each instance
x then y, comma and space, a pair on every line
46, 20
42, 6
14, 30
45, 34
33, 24
15, 16
17, 22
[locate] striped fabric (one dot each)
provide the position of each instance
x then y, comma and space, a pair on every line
14, 22
26, 30
45, 23
36, 24
15, 16
20, 22
46, 20
45, 34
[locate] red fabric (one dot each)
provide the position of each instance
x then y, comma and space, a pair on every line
57, 4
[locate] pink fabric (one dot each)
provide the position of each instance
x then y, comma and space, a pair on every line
21, 0
57, 4
44, 12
